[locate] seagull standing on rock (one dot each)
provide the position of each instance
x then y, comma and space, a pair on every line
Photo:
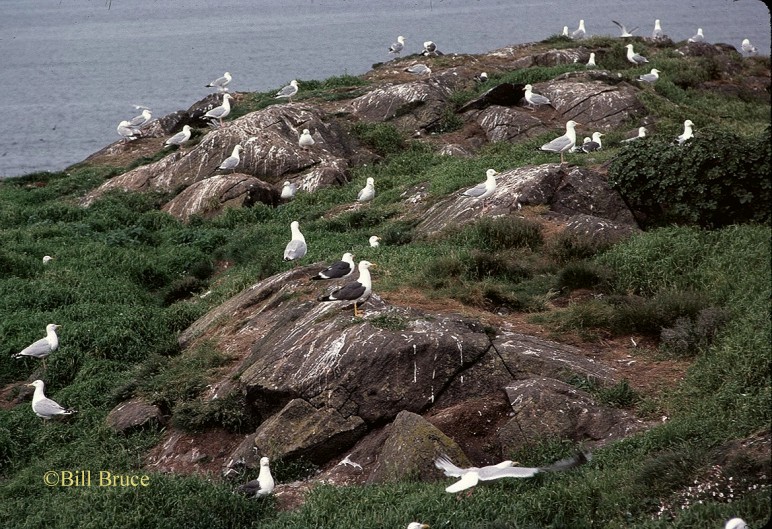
296, 248
338, 269
233, 160
221, 82
397, 46
222, 111
127, 131
288, 190
357, 291
306, 140
144, 117
263, 485
179, 138
657, 34
535, 100
419, 69
699, 37
591, 61
563, 143
748, 48
482, 191
288, 91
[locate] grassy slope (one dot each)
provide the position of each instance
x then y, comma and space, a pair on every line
120, 282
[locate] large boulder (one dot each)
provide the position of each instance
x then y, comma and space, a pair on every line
133, 415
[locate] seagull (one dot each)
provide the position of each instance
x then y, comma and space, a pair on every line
563, 143
263, 485
47, 259
748, 48
43, 347
430, 49
650, 77
591, 62
579, 32
373, 240
699, 37
288, 91
687, 134
657, 34
128, 132
306, 140
296, 248
482, 77
233, 160
346, 461
736, 523
565, 32
506, 469
138, 121
641, 134
367, 193
221, 111
578, 148
43, 407
419, 69
594, 144
535, 100
417, 525
288, 191
634, 57
179, 138
484, 190
221, 82
625, 33
357, 291
397, 46
338, 269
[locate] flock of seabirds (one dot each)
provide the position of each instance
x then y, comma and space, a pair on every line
358, 291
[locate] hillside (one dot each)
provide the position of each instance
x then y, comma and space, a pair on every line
617, 303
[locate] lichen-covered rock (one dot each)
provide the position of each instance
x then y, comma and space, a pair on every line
507, 124
599, 230
597, 105
133, 415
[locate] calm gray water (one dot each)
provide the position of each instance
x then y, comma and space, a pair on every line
72, 69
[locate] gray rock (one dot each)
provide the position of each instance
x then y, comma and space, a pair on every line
507, 124
598, 229
132, 415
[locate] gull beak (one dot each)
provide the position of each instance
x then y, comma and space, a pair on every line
30, 385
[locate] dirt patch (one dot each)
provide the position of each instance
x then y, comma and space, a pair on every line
192, 453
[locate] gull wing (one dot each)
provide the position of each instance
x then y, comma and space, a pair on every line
39, 349
444, 464
495, 472
295, 250
469, 479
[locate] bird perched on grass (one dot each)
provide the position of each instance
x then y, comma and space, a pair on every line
687, 134
288, 190
698, 37
563, 143
40, 349
482, 191
535, 100
218, 113
591, 61
565, 32
580, 32
296, 248
625, 33
748, 48
481, 77
338, 269
374, 241
179, 138
641, 134
736, 523
232, 161
221, 82
650, 77
397, 46
263, 485
306, 140
506, 469
594, 144
357, 291
288, 91
634, 57
44, 407
47, 259
417, 525
419, 69
367, 193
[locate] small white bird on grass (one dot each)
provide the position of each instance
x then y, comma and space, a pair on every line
748, 48
232, 161
374, 241
40, 349
179, 138
698, 37
338, 269
650, 77
288, 190
367, 193
306, 140
563, 143
288, 91
397, 46
482, 191
357, 291
44, 407
625, 33
591, 61
687, 134
535, 100
657, 33
634, 57
218, 113
221, 82
641, 134
580, 32
296, 248
263, 485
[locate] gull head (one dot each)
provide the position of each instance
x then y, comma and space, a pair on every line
490, 173
37, 384
264, 461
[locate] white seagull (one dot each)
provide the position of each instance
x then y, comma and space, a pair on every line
563, 143
397, 46
736, 523
44, 407
419, 69
699, 37
338, 269
367, 193
179, 138
296, 248
657, 33
357, 291
417, 525
625, 33
634, 57
306, 140
748, 48
484, 190
47, 259
138, 121
42, 348
579, 32
221, 111
221, 82
591, 61
288, 91
233, 160
263, 485
288, 190
641, 134
650, 77
565, 32
535, 100
687, 134
374, 241
127, 131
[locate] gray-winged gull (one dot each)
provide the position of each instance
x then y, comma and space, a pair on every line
357, 291
579, 32
594, 144
419, 69
179, 138
625, 32
641, 134
591, 61
472, 475
144, 117
485, 189
367, 193
306, 140
44, 407
233, 160
563, 143
221, 111
650, 77
40, 349
127, 131
736, 523
397, 46
748, 48
698, 37
288, 190
338, 269
288, 91
657, 32
296, 248
221, 82
374, 241
263, 485
634, 57
687, 133
535, 100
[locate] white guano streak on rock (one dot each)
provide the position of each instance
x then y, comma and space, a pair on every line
326, 361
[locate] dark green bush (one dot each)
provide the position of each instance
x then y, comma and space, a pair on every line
688, 336
582, 274
382, 137
503, 233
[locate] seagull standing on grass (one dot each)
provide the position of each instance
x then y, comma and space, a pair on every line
565, 32
221, 82
593, 144
42, 348
736, 523
288, 91
44, 407
179, 138
221, 111
535, 100
288, 190
357, 291
635, 58
47, 259
417, 525
687, 133
374, 241
233, 160
591, 61
650, 77
338, 269
641, 134
296, 248
263, 485
699, 37
306, 140
579, 32
367, 193
625, 33
397, 46
563, 143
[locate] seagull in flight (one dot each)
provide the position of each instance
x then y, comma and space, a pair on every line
625, 33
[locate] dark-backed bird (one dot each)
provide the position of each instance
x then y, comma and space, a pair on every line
594, 144
40, 349
563, 143
263, 485
430, 49
44, 407
221, 82
296, 248
338, 269
357, 291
